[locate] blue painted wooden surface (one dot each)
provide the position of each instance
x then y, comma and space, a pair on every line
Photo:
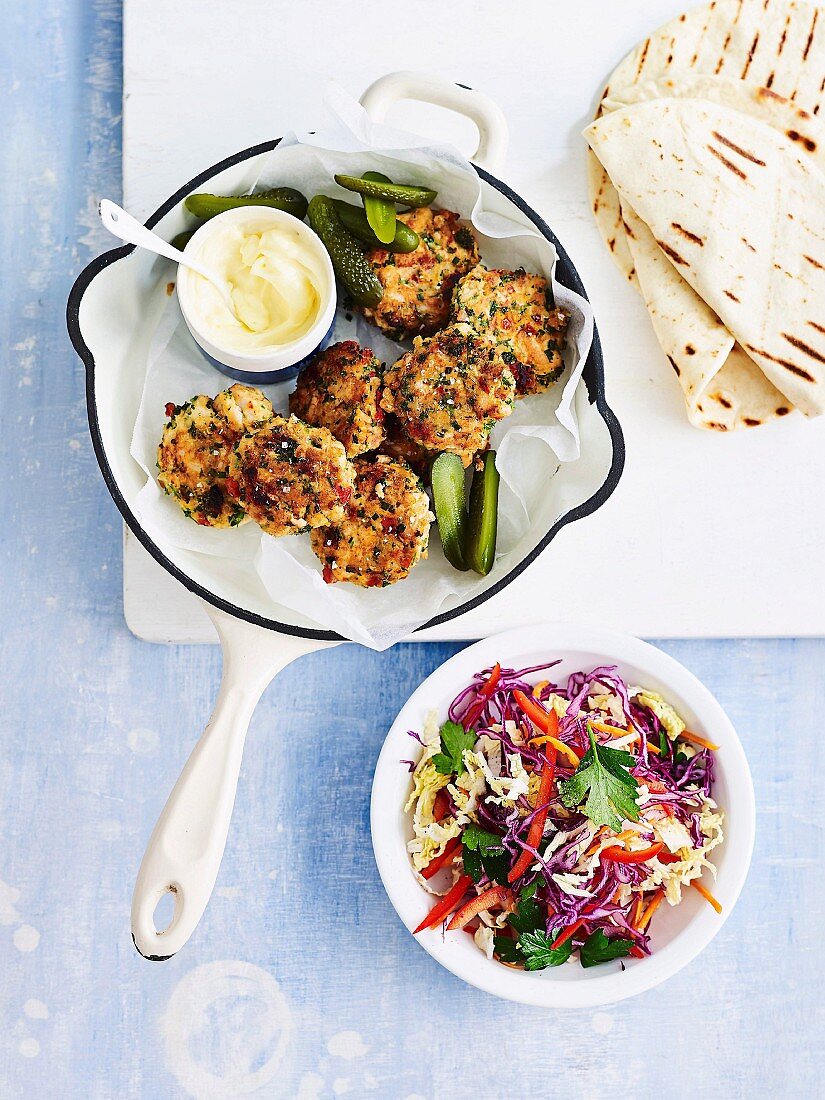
301, 982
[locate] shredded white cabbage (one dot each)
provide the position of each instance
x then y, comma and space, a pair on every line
483, 939
558, 703
666, 714
610, 702
431, 836
573, 884
506, 789
673, 876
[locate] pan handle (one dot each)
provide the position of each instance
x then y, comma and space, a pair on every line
484, 112
185, 850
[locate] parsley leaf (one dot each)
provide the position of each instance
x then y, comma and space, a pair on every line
506, 949
529, 891
528, 916
479, 840
454, 740
597, 948
604, 778
483, 853
538, 953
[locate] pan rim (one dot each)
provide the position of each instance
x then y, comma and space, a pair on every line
596, 393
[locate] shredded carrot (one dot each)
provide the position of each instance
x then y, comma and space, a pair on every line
603, 727
637, 911
559, 746
614, 731
644, 920
707, 895
539, 688
688, 736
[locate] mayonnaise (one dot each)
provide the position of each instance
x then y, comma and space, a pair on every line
275, 282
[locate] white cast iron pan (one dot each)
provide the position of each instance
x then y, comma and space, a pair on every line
112, 312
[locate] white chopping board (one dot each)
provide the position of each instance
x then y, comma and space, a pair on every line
706, 535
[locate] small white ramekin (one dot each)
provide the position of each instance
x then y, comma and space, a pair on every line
262, 366
679, 933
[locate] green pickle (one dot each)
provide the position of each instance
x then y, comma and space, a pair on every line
351, 266
380, 214
182, 239
355, 220
481, 542
447, 479
279, 198
403, 194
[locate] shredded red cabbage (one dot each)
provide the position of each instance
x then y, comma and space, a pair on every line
678, 783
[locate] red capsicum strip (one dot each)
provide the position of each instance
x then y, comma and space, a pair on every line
622, 855
574, 927
546, 720
446, 905
668, 857
536, 830
567, 934
447, 856
496, 895
485, 691
441, 805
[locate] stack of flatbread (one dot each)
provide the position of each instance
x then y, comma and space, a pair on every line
707, 181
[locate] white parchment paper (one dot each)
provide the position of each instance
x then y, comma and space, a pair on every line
176, 371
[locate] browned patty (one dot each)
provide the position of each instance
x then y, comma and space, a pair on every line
398, 445
418, 285
195, 449
449, 391
385, 531
516, 311
289, 476
340, 390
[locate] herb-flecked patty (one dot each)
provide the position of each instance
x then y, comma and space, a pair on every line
449, 391
340, 390
243, 407
385, 531
195, 449
398, 445
516, 311
418, 285
289, 476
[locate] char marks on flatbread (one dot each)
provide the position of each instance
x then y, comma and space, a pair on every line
693, 338
740, 213
778, 44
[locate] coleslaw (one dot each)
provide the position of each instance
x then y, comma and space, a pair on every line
551, 820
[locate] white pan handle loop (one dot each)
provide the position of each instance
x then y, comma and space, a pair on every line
185, 850
484, 112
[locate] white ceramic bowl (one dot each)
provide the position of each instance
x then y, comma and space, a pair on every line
679, 933
262, 366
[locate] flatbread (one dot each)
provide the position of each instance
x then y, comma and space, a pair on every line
778, 44
723, 388
695, 341
741, 215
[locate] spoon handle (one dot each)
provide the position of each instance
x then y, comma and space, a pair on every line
128, 229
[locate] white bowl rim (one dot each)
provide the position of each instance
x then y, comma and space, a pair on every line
558, 639
266, 358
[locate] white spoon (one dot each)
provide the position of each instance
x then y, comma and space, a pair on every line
128, 229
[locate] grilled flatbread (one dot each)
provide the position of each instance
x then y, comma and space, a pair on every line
777, 44
723, 388
689, 332
740, 214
